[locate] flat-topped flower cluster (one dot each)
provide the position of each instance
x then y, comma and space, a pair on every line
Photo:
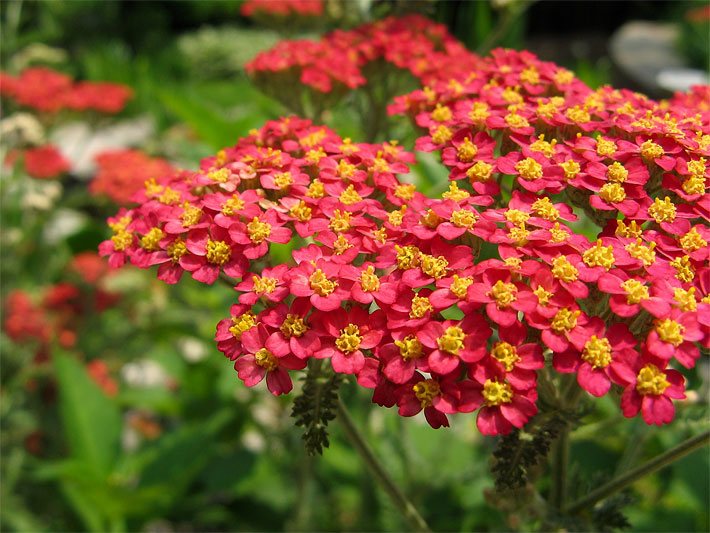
455, 304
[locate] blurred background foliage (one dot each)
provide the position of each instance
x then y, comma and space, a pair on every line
182, 445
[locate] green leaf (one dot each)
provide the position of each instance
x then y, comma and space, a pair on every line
92, 422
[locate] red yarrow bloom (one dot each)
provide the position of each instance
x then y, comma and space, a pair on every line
650, 390
345, 334
293, 327
503, 407
210, 253
320, 281
437, 396
45, 162
230, 330
270, 285
258, 233
266, 357
629, 295
675, 336
503, 297
451, 342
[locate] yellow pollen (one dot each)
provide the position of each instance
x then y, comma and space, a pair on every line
529, 169
340, 221
122, 239
480, 172
670, 331
685, 299
466, 151
543, 208
496, 393
345, 169
558, 233
221, 157
605, 147
454, 193
341, 245
565, 320
684, 269
349, 340
441, 135
410, 348
516, 216
452, 340
218, 252
632, 231
612, 193
441, 114
638, 250
264, 285
312, 138
350, 196
152, 189
463, 218
503, 293
513, 263
407, 257
530, 75
151, 240
293, 326
314, 156
434, 267
426, 391
479, 113
191, 215
578, 114
301, 211
320, 284
697, 167
650, 150
316, 189
176, 250
381, 165
636, 291
219, 176
695, 184
395, 217
258, 231
515, 121
571, 169
511, 95
651, 381
543, 296
563, 76
430, 219
242, 323
597, 352
405, 191
459, 286
662, 210
231, 206
420, 307
692, 241
265, 359
169, 196
599, 255
544, 147
283, 180
564, 270
519, 235
616, 173
369, 280
506, 354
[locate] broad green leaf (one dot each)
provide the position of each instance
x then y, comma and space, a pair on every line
92, 422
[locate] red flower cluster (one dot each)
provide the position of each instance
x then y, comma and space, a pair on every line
282, 8
338, 60
44, 162
391, 287
50, 91
122, 172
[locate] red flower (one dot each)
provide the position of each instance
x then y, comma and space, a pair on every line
652, 391
45, 162
437, 396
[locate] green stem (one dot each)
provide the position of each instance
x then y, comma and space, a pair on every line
559, 470
409, 512
630, 477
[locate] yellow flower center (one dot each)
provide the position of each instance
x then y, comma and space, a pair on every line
283, 180
452, 340
350, 196
407, 257
640, 251
349, 340
599, 255
232, 205
242, 323
515, 216
218, 252
496, 393
578, 114
434, 267
219, 176
381, 165
543, 208
530, 75
529, 169
636, 291
506, 354
341, 245
564, 270
670, 331
466, 151
405, 191
544, 147
459, 286
558, 233
632, 231
320, 284
293, 326
410, 348
684, 270
369, 280
258, 231
430, 219
694, 184
662, 210
697, 167
395, 217
571, 169
426, 391
151, 240
340, 221
316, 189
176, 250
503, 293
479, 112
515, 121
301, 211
441, 114
616, 172
597, 352
454, 193
169, 196
519, 235
650, 150
191, 215
480, 172
314, 156
265, 359
692, 241
686, 299
264, 285
605, 147
612, 193
563, 76
441, 135
463, 218
565, 320
651, 381
420, 307
543, 296
345, 169
122, 239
